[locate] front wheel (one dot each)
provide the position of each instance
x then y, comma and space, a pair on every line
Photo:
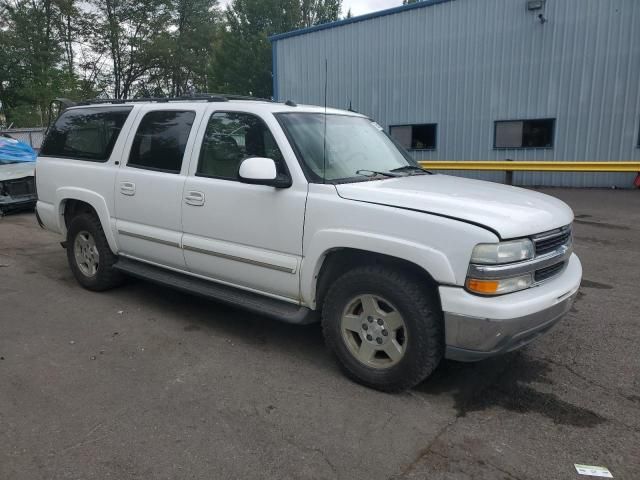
384, 326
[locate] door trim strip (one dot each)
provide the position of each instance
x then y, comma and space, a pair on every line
150, 239
240, 259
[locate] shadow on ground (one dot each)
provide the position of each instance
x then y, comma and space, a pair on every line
507, 384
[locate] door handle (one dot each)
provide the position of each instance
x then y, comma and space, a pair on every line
194, 198
127, 188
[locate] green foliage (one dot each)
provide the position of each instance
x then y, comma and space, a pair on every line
31, 58
126, 48
243, 60
185, 50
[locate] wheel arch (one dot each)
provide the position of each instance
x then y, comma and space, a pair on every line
337, 261
74, 201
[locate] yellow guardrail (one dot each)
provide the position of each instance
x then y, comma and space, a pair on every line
533, 166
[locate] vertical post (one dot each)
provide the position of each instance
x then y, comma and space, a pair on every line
508, 179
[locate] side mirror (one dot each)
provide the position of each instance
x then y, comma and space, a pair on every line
262, 171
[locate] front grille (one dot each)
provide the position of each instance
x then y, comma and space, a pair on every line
550, 242
548, 272
22, 186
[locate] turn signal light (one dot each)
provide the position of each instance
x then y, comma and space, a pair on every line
485, 287
499, 286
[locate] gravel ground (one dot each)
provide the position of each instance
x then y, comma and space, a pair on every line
145, 382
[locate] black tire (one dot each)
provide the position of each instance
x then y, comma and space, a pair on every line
106, 276
422, 317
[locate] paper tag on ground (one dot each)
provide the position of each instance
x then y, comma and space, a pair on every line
593, 471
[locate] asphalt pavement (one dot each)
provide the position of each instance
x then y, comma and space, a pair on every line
143, 382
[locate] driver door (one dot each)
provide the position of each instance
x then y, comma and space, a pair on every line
249, 236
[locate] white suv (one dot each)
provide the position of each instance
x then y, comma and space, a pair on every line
302, 213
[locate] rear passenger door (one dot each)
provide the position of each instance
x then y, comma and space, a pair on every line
148, 190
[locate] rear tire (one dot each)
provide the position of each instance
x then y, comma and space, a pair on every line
384, 326
90, 258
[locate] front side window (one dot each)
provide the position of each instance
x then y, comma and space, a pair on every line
161, 139
343, 147
230, 138
524, 134
415, 137
85, 133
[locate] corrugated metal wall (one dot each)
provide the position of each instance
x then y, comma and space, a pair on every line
464, 64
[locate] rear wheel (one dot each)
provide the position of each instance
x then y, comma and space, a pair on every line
90, 258
384, 326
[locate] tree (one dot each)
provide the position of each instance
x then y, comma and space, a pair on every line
128, 31
32, 58
185, 49
314, 12
127, 48
242, 62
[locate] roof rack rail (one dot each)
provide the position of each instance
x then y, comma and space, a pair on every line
209, 97
182, 98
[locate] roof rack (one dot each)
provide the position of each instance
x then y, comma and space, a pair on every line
208, 97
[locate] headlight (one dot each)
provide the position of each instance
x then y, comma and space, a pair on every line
504, 252
499, 286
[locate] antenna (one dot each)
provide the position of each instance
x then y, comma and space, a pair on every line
324, 134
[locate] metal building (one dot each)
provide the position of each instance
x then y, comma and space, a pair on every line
483, 80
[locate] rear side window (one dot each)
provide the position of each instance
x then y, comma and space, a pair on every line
161, 139
85, 133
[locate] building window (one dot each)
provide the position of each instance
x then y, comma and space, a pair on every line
524, 133
415, 137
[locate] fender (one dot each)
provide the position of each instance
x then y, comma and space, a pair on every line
429, 259
94, 199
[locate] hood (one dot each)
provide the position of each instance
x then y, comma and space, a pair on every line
510, 211
11, 171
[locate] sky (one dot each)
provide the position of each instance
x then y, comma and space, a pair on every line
358, 7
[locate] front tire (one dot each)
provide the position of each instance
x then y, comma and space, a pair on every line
384, 326
89, 256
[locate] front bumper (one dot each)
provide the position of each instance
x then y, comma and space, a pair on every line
481, 327
17, 203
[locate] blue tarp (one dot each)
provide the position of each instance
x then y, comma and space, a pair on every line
14, 151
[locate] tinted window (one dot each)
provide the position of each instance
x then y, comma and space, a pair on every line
85, 133
161, 139
231, 137
524, 134
415, 137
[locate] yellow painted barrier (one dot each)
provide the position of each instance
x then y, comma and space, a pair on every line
533, 166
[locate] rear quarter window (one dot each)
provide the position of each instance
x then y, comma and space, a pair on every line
85, 133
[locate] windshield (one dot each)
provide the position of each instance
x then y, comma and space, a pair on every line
352, 145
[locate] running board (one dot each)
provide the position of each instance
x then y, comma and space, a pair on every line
254, 302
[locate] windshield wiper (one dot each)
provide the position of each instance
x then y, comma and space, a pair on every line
411, 168
373, 173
